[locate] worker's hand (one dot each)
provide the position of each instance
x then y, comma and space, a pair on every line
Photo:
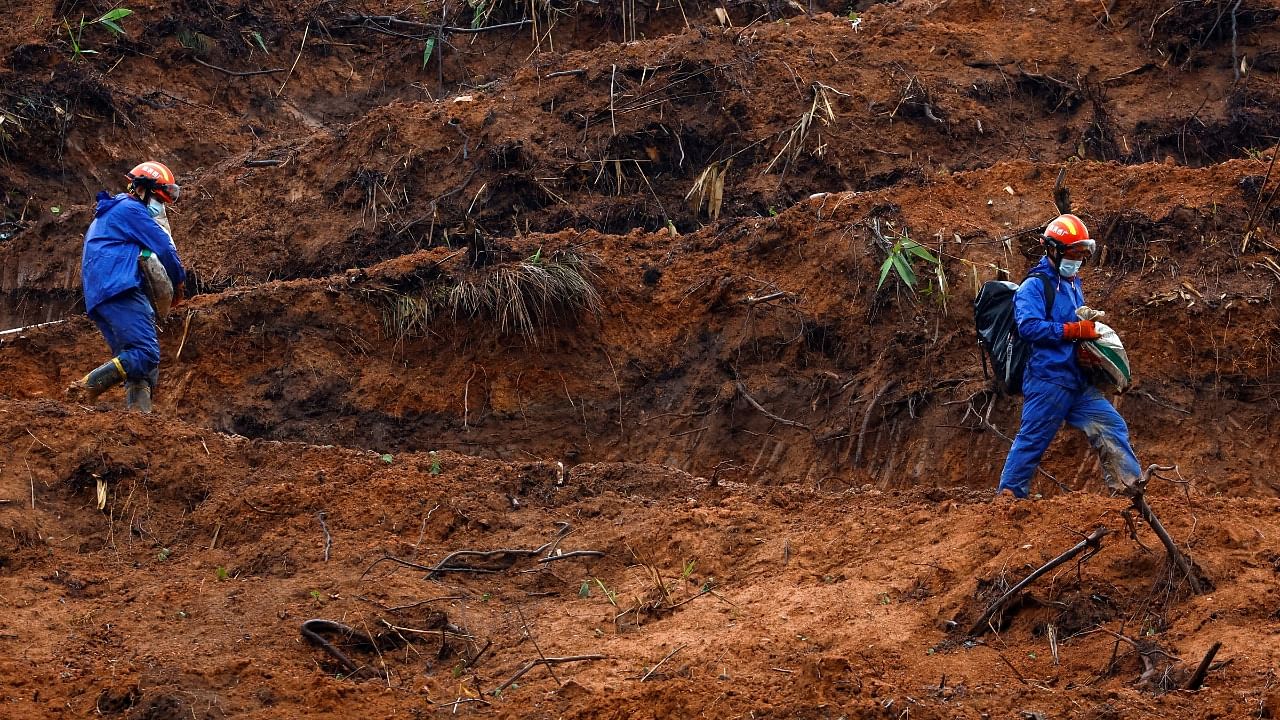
1080, 330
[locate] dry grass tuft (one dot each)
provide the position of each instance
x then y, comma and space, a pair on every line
521, 298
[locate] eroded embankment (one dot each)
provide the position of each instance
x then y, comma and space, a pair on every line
831, 381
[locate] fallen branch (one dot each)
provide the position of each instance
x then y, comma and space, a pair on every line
1093, 542
542, 661
562, 73
1197, 678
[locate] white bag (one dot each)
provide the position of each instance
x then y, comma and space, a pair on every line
1109, 363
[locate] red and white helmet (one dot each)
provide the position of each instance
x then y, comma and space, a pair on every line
155, 178
1067, 237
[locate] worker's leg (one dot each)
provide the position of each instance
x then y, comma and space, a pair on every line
1044, 406
1109, 435
130, 329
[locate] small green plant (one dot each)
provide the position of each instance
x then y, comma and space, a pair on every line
902, 256
688, 569
316, 597
884, 598
585, 590
109, 20
257, 38
435, 462
220, 573
387, 458
611, 595
163, 554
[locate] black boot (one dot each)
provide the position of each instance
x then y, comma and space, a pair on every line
98, 381
137, 396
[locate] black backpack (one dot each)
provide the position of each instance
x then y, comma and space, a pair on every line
998, 333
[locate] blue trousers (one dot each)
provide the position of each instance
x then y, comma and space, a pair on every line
127, 321
1045, 406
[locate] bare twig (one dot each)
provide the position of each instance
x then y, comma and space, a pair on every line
542, 656
237, 73
668, 657
302, 46
539, 661
562, 73
328, 539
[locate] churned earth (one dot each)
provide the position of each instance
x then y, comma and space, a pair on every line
594, 292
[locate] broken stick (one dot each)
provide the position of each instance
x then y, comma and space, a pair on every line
1197, 678
540, 661
1093, 542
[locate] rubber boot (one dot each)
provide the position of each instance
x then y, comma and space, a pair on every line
99, 380
137, 396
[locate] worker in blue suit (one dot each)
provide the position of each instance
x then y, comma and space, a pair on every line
124, 229
1054, 387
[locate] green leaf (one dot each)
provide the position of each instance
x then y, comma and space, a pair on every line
112, 26
427, 49
387, 458
55, 210
920, 251
904, 270
257, 37
114, 15
585, 590
884, 270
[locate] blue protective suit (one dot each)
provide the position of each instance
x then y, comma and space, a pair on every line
1055, 390
114, 295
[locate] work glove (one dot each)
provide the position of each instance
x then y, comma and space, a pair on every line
1080, 330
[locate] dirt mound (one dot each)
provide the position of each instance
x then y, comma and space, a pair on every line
543, 361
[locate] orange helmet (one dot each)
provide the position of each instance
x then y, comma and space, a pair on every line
156, 178
1067, 237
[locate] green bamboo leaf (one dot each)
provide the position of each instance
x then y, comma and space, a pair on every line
112, 26
884, 271
427, 49
904, 270
919, 251
116, 14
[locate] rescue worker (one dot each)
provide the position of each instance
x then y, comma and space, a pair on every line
1054, 387
124, 229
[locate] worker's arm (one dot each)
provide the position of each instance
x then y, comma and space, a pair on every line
1028, 313
144, 229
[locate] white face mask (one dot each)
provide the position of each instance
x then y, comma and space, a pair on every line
1069, 268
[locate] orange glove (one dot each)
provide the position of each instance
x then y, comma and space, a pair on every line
1080, 330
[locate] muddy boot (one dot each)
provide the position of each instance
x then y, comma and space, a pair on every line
137, 396
102, 378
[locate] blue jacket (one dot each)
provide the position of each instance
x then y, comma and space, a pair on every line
121, 229
1053, 359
